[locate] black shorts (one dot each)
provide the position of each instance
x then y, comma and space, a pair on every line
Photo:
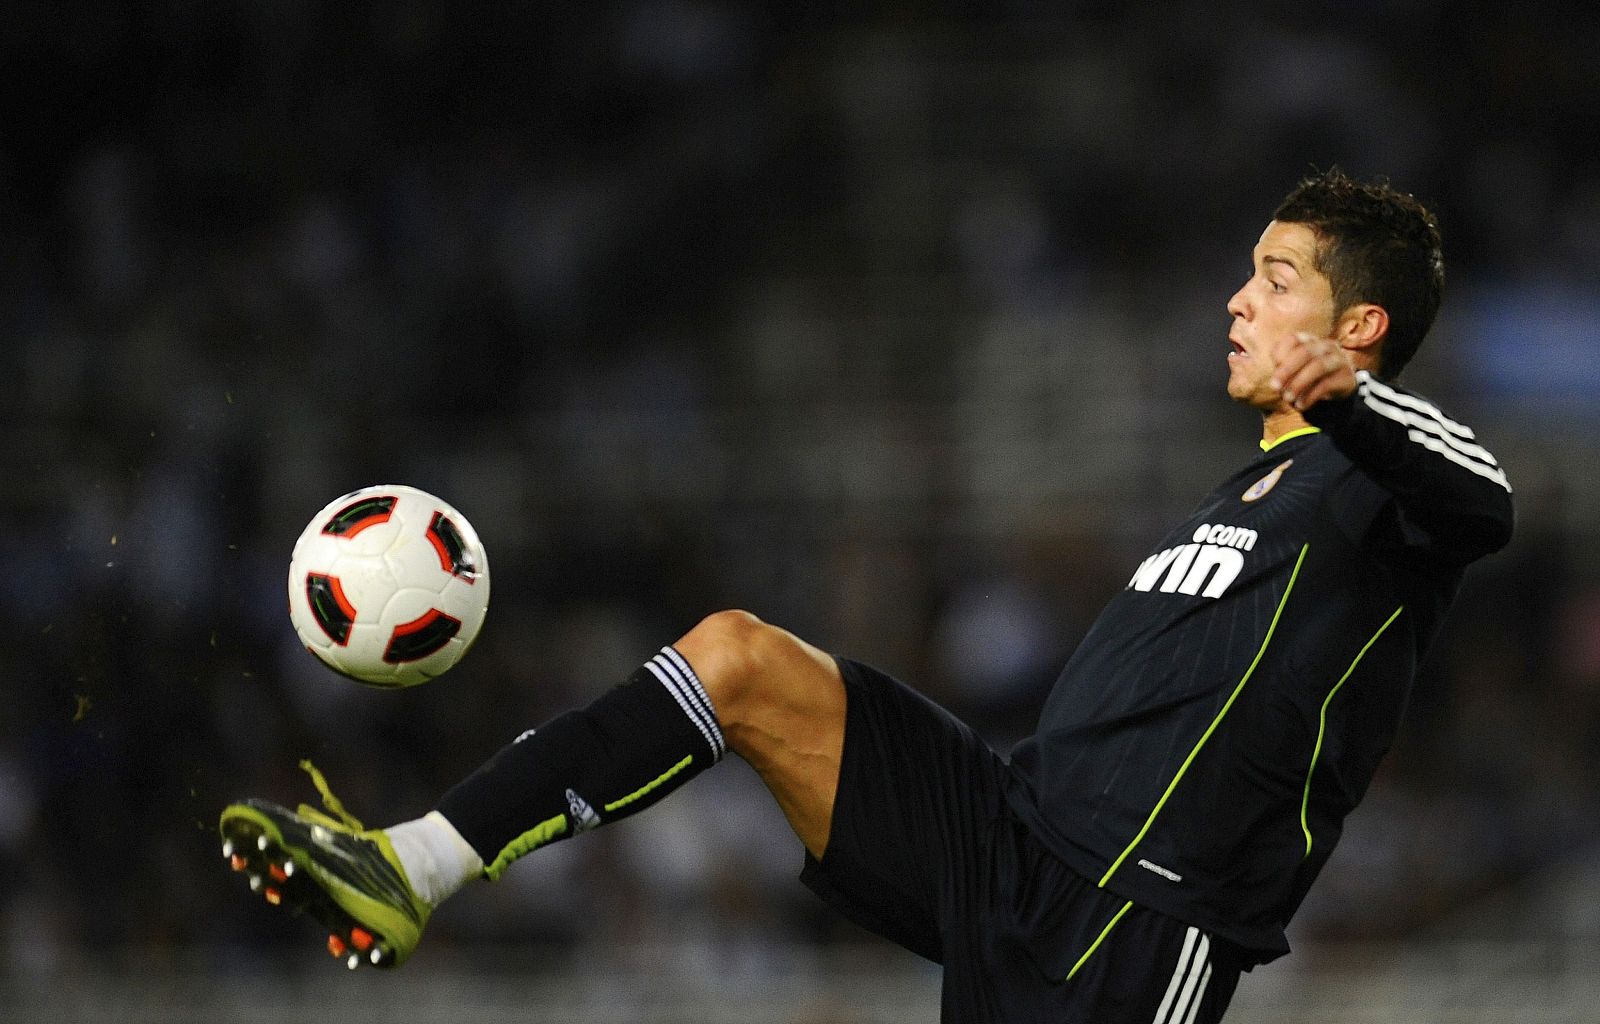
925, 851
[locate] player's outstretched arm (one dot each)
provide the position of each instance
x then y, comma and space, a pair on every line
1449, 486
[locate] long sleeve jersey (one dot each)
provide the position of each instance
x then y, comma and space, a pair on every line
1203, 745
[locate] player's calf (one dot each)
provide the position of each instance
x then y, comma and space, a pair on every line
630, 748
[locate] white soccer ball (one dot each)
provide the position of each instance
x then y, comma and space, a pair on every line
388, 585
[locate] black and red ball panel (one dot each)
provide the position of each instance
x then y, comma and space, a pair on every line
454, 555
330, 608
360, 514
422, 636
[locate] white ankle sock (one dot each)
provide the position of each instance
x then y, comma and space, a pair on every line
436, 859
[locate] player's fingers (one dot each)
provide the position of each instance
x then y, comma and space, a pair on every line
1307, 362
1294, 361
1300, 384
1302, 347
1288, 359
1324, 376
1312, 394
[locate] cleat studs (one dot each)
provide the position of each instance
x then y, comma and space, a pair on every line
237, 862
273, 896
277, 873
361, 939
262, 842
227, 849
255, 883
288, 869
336, 947
376, 956
354, 961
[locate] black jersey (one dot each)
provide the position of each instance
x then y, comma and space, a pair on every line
1201, 749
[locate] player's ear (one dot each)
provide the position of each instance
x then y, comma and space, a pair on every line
1361, 331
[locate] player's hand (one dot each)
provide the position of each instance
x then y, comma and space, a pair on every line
1308, 369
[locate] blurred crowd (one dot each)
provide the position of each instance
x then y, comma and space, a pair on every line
901, 327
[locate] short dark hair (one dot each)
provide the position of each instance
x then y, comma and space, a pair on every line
1374, 244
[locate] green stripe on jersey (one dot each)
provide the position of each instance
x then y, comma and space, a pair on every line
1322, 723
1099, 939
1184, 768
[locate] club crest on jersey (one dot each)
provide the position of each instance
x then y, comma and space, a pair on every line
1259, 489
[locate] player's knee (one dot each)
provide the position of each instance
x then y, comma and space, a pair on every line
731, 628
741, 659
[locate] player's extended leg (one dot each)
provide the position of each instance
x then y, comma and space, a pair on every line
732, 681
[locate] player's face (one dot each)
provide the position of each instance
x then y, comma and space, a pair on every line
1285, 295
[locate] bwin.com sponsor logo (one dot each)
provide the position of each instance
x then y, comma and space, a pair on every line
1212, 562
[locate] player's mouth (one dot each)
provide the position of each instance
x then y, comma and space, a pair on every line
1238, 352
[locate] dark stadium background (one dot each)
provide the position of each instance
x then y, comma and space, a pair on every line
898, 324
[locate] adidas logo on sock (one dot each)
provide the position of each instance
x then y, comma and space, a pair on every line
584, 817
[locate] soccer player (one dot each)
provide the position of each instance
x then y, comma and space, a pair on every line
1193, 764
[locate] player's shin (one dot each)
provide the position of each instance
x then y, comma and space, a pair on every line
585, 768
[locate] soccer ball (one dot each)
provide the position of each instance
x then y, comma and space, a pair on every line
388, 585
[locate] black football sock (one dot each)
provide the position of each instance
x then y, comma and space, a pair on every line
635, 744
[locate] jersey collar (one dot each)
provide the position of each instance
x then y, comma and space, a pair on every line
1267, 446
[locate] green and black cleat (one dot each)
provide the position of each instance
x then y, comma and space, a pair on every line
346, 876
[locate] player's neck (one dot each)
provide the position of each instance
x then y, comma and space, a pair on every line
1280, 421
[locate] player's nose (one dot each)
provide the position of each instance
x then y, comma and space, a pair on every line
1237, 306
